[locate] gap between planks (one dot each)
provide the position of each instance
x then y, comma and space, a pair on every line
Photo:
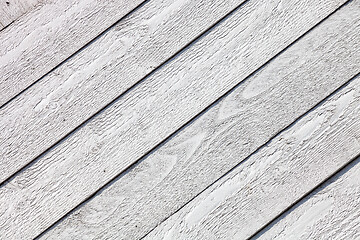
327, 183
39, 130
335, 118
11, 10
47, 145
11, 95
339, 172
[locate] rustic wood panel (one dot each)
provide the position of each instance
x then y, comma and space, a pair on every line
35, 120
93, 78
223, 136
333, 212
10, 10
48, 34
109, 143
275, 177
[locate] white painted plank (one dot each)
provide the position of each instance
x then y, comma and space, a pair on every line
90, 80
10, 10
275, 177
333, 212
50, 33
121, 134
225, 135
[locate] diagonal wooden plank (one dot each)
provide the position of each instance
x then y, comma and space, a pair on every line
275, 177
331, 212
112, 141
89, 81
48, 34
194, 158
10, 10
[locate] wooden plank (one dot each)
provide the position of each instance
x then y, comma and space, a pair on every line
10, 10
93, 78
201, 153
332, 212
141, 119
290, 166
48, 34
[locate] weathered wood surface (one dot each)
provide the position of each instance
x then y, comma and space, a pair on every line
271, 180
97, 152
93, 78
50, 33
10, 10
332, 212
223, 136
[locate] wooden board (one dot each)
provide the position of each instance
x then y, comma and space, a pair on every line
275, 177
10, 10
222, 137
44, 114
48, 34
109, 143
332, 212
89, 81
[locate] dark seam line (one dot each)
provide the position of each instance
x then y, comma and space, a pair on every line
260, 147
135, 163
73, 54
202, 34
323, 183
18, 17
21, 16
276, 134
6, 28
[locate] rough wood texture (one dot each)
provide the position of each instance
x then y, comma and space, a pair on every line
10, 10
222, 137
93, 78
332, 212
275, 177
97, 152
49, 34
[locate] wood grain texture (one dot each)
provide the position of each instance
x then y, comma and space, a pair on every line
223, 136
275, 177
332, 212
50, 33
129, 128
93, 78
10, 10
